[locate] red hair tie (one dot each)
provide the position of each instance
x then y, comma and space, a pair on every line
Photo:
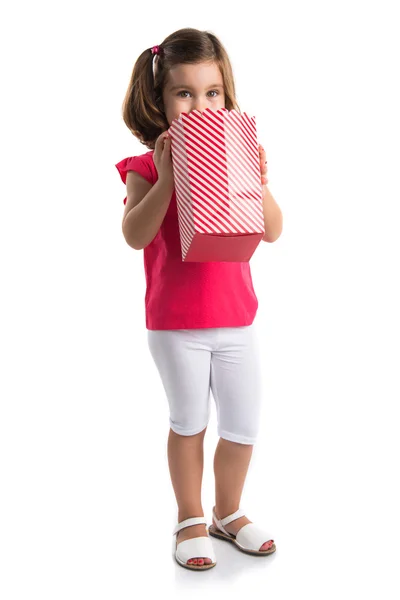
155, 50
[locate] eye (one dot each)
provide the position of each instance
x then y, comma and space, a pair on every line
187, 92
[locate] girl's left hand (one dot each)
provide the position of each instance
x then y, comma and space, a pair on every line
263, 165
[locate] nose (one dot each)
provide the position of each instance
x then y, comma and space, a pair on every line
198, 106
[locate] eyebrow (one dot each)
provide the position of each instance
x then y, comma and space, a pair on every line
188, 87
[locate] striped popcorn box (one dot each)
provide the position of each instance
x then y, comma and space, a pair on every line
217, 176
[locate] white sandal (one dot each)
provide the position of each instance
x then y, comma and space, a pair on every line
196, 547
248, 539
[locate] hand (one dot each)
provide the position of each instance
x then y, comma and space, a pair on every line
162, 158
263, 165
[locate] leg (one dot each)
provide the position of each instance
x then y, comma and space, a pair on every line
231, 463
183, 361
236, 386
185, 457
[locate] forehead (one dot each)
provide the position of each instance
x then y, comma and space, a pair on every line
194, 75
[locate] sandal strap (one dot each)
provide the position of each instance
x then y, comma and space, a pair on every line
239, 513
221, 522
188, 522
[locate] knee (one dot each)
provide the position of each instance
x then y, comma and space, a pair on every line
240, 433
200, 434
239, 438
240, 426
189, 426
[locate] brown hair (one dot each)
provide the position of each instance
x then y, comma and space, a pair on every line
142, 109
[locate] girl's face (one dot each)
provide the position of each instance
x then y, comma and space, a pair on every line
193, 87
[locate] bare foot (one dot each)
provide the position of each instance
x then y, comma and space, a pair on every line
187, 533
234, 526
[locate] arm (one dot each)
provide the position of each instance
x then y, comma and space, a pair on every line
272, 212
145, 209
273, 219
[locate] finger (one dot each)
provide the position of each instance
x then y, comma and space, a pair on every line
161, 138
164, 141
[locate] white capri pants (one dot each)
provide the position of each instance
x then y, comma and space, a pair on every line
224, 359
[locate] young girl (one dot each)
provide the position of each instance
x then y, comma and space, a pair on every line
199, 316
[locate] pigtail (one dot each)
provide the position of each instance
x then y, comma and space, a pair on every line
142, 109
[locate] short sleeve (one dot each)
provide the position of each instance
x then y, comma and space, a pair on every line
135, 163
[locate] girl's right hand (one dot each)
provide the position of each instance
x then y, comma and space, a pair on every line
162, 158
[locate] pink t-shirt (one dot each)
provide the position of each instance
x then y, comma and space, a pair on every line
188, 295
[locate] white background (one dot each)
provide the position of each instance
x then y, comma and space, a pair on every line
87, 506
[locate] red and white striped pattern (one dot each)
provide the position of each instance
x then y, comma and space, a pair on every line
217, 175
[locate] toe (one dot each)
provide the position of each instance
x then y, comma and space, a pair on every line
199, 561
267, 545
